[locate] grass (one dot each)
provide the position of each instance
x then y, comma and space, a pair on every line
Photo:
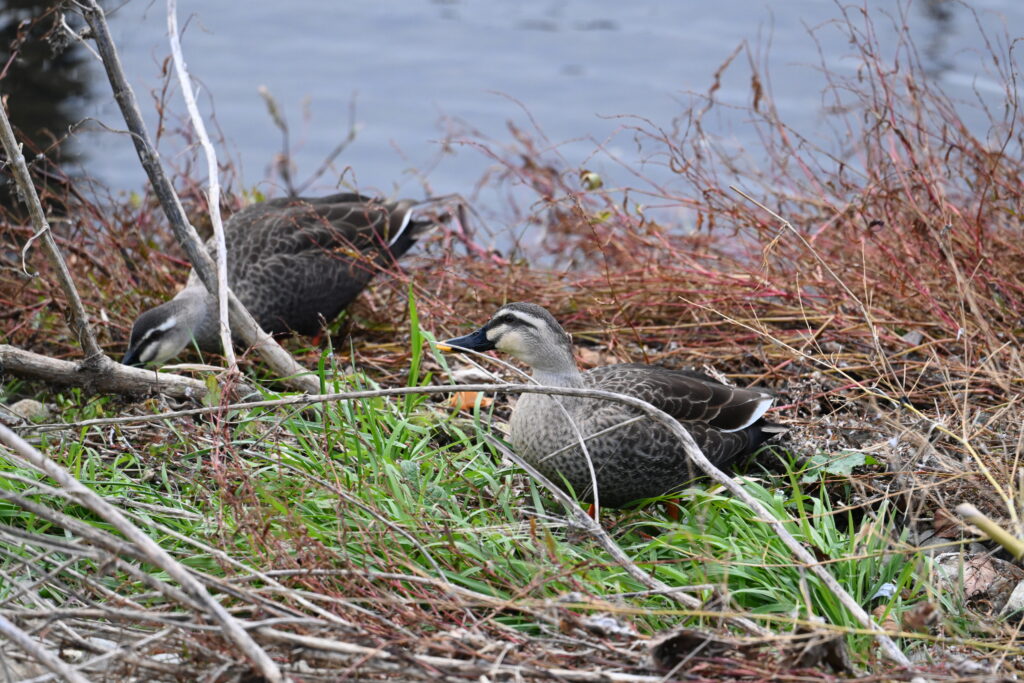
882, 301
724, 544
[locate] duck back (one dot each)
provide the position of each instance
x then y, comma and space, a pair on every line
298, 262
633, 456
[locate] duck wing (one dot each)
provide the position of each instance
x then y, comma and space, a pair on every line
687, 396
295, 261
293, 225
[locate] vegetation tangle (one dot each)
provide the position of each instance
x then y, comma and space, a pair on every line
875, 287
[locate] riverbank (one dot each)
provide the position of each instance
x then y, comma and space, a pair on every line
877, 291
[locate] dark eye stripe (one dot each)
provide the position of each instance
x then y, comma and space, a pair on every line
152, 332
513, 319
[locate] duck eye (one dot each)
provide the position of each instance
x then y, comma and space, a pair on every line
508, 319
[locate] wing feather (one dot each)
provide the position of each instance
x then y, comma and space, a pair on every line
293, 261
686, 396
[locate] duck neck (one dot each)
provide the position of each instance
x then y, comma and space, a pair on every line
559, 371
194, 307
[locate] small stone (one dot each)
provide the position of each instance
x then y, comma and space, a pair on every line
30, 410
1015, 603
913, 337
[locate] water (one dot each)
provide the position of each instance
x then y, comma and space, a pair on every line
412, 67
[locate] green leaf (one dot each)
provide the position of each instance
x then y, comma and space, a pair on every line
212, 397
416, 341
822, 463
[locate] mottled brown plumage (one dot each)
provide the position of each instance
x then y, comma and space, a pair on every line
293, 262
639, 460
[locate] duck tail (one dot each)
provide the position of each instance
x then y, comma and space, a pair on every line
761, 432
406, 229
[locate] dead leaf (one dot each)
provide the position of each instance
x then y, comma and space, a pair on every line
920, 617
465, 400
978, 577
945, 525
886, 620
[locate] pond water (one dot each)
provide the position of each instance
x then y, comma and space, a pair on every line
413, 68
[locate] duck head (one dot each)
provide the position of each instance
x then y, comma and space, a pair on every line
527, 332
161, 333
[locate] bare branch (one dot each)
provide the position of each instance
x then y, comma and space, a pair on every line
353, 130
213, 197
284, 161
79, 320
997, 533
112, 378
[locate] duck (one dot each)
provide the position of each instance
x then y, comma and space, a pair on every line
639, 460
294, 262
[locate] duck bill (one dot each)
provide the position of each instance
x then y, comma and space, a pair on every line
132, 358
477, 341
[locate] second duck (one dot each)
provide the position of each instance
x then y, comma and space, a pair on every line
294, 262
641, 459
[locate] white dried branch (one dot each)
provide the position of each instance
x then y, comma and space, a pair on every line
73, 34
213, 195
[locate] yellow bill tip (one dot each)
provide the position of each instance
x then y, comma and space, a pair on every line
443, 348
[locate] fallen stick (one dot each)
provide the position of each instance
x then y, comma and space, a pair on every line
112, 378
